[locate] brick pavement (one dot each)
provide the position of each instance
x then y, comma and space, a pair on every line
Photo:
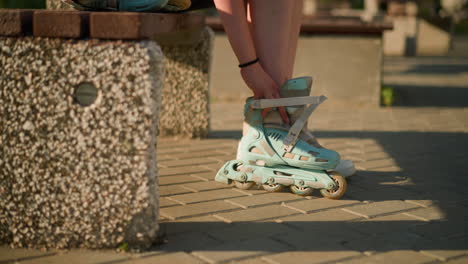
406, 204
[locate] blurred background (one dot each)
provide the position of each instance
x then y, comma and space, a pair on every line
449, 15
22, 4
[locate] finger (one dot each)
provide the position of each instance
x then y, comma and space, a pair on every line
275, 95
265, 112
256, 95
284, 115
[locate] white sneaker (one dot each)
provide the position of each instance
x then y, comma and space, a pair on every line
345, 168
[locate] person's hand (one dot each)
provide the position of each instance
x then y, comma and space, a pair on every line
263, 86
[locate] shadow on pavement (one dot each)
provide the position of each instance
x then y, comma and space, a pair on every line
379, 236
438, 69
430, 96
433, 171
29, 258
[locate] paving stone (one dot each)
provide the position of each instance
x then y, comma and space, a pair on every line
396, 256
379, 208
388, 169
384, 224
164, 202
161, 158
428, 214
170, 258
181, 170
442, 196
313, 235
255, 190
205, 176
193, 143
379, 186
189, 162
60, 24
223, 158
131, 25
368, 165
257, 213
168, 180
15, 22
462, 260
307, 206
378, 155
171, 150
240, 231
376, 147
445, 249
202, 154
202, 148
205, 223
311, 257
205, 186
386, 242
213, 167
240, 250
196, 209
332, 215
172, 190
264, 199
250, 261
188, 242
10, 255
79, 256
206, 196
440, 229
423, 203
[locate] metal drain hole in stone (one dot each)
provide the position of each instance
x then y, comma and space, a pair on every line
85, 94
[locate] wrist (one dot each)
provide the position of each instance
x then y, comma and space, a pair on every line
249, 63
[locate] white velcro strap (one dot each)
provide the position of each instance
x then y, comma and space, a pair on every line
291, 101
290, 140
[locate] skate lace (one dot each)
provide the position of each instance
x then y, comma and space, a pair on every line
313, 101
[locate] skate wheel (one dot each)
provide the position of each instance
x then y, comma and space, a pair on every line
273, 187
244, 185
302, 191
337, 193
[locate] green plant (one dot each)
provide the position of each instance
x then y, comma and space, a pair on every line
124, 247
388, 95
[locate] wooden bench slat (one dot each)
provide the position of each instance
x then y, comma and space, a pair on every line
15, 22
129, 25
100, 25
63, 24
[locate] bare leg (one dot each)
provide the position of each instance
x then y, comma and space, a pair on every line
275, 29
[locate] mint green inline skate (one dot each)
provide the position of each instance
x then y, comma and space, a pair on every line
277, 155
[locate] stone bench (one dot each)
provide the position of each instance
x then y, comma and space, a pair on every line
82, 97
344, 57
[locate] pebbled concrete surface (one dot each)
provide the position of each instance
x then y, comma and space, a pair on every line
59, 183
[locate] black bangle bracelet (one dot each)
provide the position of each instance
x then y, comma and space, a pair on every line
249, 63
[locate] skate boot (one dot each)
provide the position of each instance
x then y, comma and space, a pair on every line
301, 87
276, 155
